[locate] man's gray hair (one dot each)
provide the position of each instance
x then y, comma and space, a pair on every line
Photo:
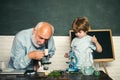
40, 23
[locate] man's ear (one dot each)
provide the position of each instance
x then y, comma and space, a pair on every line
33, 31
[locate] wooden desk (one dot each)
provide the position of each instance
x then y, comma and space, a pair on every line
65, 76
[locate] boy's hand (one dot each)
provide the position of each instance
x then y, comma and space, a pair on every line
66, 55
94, 39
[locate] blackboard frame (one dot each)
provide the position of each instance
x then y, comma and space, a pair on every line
104, 37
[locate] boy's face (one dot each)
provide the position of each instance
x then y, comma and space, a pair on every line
81, 34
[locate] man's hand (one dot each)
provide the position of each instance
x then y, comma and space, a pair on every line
36, 54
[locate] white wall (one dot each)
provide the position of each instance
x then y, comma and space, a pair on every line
62, 46
114, 67
5, 46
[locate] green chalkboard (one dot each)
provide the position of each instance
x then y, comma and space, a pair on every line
16, 15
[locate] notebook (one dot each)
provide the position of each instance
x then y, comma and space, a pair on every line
12, 71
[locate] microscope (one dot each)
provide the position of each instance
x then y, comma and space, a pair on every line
72, 64
44, 62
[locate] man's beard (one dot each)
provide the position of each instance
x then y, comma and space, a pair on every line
35, 42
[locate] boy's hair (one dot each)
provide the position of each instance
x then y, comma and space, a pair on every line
80, 23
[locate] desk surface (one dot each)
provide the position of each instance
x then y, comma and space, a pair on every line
66, 76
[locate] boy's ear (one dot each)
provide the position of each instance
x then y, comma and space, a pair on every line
89, 28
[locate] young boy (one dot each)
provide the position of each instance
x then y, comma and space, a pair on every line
83, 45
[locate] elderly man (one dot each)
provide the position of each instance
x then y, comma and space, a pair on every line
29, 45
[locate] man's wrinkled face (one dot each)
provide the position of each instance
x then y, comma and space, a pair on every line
39, 38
